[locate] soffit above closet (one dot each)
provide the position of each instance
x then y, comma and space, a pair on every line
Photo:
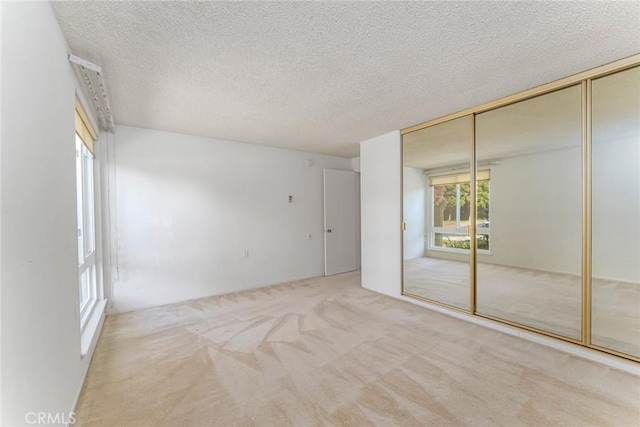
322, 76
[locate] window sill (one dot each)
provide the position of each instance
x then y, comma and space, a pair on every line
91, 331
459, 251
86, 313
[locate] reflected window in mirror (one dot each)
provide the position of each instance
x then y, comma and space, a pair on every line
436, 209
450, 205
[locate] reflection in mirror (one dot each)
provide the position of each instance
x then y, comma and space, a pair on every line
531, 272
615, 315
436, 208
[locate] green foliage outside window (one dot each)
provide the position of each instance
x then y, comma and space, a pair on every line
445, 198
482, 242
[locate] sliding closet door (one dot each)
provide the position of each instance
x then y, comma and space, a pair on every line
436, 211
530, 212
615, 315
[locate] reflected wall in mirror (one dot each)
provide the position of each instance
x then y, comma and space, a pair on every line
436, 210
531, 272
615, 315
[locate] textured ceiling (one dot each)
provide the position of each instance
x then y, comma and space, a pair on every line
321, 76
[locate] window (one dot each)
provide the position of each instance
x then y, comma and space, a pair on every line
450, 211
87, 293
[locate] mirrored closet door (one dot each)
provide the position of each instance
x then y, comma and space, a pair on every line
530, 273
615, 283
436, 211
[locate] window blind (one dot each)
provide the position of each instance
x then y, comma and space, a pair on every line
459, 178
84, 129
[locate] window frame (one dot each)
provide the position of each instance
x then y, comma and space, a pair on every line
458, 179
85, 137
86, 232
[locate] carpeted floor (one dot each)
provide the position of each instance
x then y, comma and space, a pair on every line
325, 352
544, 300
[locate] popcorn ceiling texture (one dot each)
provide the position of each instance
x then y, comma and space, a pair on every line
321, 76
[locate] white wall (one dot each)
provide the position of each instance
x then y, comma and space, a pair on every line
188, 207
616, 208
355, 164
414, 208
42, 370
380, 213
536, 212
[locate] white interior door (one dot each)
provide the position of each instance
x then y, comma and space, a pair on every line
339, 221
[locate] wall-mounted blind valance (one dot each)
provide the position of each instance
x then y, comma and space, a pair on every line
459, 178
84, 129
91, 75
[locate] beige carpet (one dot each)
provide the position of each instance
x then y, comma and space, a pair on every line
325, 352
543, 300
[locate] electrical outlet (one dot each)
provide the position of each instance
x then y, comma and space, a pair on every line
245, 254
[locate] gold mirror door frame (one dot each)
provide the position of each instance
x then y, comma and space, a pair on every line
593, 278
